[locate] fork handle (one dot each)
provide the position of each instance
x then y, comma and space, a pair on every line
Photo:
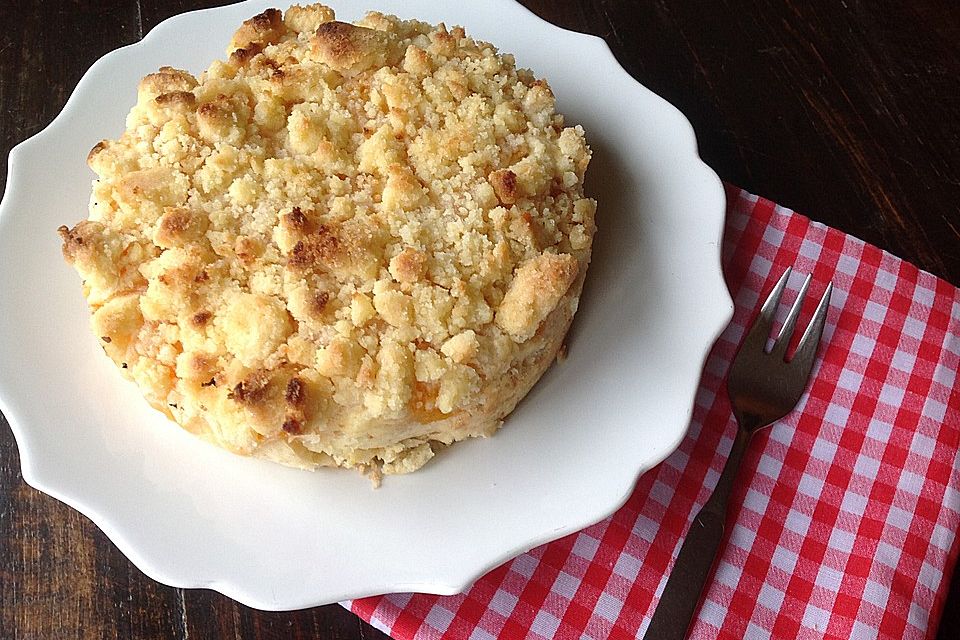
681, 595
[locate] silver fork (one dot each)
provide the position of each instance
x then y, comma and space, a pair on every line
763, 387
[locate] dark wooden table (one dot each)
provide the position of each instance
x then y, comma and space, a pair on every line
846, 110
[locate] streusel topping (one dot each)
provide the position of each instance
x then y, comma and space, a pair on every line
335, 238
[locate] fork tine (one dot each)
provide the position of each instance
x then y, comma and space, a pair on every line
789, 325
758, 334
807, 349
770, 304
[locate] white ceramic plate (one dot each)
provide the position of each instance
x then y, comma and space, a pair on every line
190, 515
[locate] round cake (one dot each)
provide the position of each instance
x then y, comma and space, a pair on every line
346, 244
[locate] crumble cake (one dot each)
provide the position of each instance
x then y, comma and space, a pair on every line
345, 244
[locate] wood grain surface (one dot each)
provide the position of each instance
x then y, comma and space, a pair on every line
846, 110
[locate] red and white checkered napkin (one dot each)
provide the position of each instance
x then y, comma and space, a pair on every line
843, 522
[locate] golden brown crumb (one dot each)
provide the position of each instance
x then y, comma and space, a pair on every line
181, 99
408, 265
292, 426
200, 318
504, 184
294, 393
350, 49
537, 286
97, 148
259, 31
251, 391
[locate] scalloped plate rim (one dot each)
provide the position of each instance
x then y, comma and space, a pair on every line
442, 585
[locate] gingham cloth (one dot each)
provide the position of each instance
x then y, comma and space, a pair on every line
842, 524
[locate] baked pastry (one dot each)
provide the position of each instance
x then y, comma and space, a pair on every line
343, 245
